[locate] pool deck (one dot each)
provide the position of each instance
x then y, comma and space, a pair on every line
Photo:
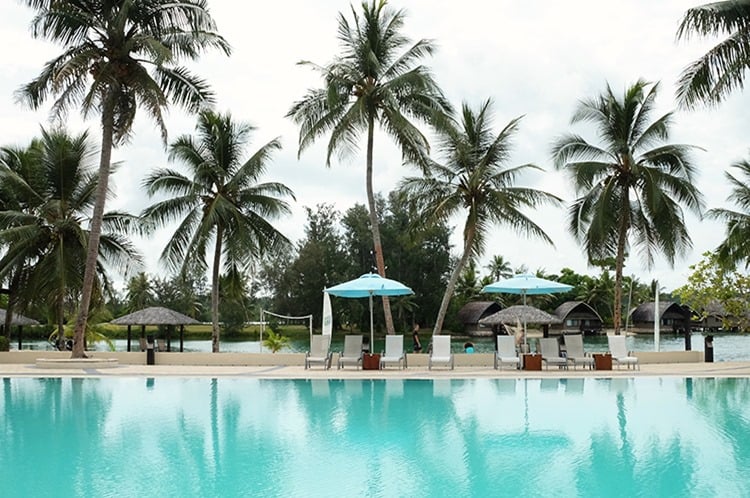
719, 369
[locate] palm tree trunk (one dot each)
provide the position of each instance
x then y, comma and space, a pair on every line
374, 226
468, 242
619, 264
60, 312
92, 251
215, 330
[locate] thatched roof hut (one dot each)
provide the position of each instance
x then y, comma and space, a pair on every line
671, 315
470, 314
156, 316
520, 313
17, 319
577, 317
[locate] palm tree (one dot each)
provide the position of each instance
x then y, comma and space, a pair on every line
474, 180
140, 292
45, 236
735, 248
222, 202
372, 82
104, 68
632, 186
711, 78
499, 268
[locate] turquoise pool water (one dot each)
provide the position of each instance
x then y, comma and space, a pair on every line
487, 437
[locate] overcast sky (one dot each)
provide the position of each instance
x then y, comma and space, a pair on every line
534, 58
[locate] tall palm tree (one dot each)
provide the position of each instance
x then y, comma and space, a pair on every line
140, 292
632, 186
711, 78
44, 235
473, 179
222, 202
119, 55
375, 81
735, 248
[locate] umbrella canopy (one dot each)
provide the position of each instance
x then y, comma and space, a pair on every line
368, 285
526, 284
519, 313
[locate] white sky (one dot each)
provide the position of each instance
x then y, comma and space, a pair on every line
535, 58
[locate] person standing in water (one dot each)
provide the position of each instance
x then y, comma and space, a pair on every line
415, 337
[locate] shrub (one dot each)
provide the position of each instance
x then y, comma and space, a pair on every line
4, 343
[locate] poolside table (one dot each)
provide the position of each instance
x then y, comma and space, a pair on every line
371, 361
602, 361
532, 362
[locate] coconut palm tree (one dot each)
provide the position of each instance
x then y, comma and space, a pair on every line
711, 78
632, 187
499, 268
375, 81
44, 234
735, 248
221, 202
119, 56
473, 179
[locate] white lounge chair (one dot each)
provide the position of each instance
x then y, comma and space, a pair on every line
575, 353
320, 352
550, 350
506, 352
620, 353
441, 352
352, 353
394, 351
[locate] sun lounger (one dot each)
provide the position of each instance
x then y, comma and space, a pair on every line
575, 353
394, 351
143, 343
550, 350
161, 345
320, 352
352, 353
506, 352
441, 352
620, 353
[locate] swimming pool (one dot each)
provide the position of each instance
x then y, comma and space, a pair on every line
486, 437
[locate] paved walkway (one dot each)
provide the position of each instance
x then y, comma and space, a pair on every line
721, 369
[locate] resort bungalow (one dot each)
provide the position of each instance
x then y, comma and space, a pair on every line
673, 318
470, 314
577, 318
715, 318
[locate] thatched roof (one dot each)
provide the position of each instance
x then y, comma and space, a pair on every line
645, 311
520, 313
155, 316
17, 319
578, 307
474, 311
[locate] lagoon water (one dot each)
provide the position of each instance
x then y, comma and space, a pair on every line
727, 346
134, 437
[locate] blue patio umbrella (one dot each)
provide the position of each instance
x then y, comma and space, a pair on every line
368, 285
524, 284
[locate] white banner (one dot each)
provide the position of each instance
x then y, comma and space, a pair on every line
327, 315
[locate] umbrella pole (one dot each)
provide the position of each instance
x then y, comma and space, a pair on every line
372, 335
525, 344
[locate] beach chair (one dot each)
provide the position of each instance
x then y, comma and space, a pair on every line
441, 352
550, 350
352, 353
161, 345
575, 353
320, 352
506, 353
143, 344
619, 351
394, 351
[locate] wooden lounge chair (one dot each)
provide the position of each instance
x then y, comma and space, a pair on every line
575, 353
161, 345
352, 353
506, 352
550, 350
320, 352
394, 351
620, 353
441, 352
143, 343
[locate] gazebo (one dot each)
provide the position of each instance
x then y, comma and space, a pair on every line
522, 314
18, 320
156, 316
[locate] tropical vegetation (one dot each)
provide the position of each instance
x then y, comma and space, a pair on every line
735, 248
376, 81
222, 201
473, 179
117, 57
632, 186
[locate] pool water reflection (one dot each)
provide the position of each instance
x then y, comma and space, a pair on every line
483, 437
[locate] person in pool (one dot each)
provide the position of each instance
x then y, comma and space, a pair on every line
468, 347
